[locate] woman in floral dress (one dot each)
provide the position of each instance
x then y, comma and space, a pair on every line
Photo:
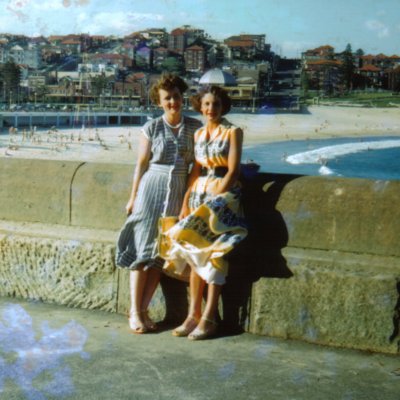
211, 222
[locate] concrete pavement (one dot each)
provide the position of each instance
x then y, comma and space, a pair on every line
54, 352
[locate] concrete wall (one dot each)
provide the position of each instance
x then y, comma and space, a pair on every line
321, 262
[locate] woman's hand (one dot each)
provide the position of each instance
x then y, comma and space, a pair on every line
129, 206
184, 212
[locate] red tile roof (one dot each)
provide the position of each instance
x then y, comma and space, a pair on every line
324, 62
319, 49
240, 43
370, 68
71, 41
178, 31
195, 48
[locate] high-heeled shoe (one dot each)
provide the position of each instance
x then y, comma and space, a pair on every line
148, 322
201, 334
185, 329
135, 323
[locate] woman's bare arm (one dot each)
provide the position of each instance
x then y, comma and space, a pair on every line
142, 164
234, 156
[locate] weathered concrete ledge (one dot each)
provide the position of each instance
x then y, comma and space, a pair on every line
321, 264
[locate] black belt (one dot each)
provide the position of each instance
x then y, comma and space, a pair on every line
220, 172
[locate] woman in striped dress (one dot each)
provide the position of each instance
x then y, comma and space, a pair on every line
158, 187
211, 222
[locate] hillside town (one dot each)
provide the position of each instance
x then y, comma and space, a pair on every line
109, 72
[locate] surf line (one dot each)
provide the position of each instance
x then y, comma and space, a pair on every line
321, 155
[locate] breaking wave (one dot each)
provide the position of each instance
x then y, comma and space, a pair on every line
323, 154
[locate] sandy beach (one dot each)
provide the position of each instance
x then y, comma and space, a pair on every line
119, 144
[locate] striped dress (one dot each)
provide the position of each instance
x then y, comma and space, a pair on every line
215, 224
160, 191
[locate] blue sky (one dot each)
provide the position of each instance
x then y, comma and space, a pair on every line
291, 26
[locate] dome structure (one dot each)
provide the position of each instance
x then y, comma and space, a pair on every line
216, 76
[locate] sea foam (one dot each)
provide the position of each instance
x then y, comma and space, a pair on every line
321, 155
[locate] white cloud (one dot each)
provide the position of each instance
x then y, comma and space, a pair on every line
116, 22
46, 5
379, 27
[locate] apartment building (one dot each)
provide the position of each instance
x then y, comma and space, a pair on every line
179, 39
160, 54
320, 53
195, 59
258, 40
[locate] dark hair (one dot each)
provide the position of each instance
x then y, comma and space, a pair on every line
217, 91
166, 82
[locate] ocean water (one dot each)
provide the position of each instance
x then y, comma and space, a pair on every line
367, 157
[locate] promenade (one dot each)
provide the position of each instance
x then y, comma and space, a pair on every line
54, 352
322, 266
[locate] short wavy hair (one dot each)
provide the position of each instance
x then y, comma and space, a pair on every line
166, 82
217, 91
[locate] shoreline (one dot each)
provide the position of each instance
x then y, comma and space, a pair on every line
118, 144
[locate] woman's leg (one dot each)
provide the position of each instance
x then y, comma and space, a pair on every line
152, 281
208, 320
137, 282
207, 325
196, 290
153, 276
196, 294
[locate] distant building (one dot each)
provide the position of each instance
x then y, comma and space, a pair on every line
128, 49
324, 75
24, 55
33, 56
17, 54
323, 70
394, 79
36, 79
152, 37
193, 34
71, 46
373, 74
52, 54
179, 39
160, 54
120, 61
258, 75
133, 88
258, 40
3, 53
242, 94
216, 55
195, 59
380, 60
98, 40
96, 68
143, 56
56, 39
377, 70
320, 53
241, 48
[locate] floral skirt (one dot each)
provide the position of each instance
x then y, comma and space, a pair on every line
204, 237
